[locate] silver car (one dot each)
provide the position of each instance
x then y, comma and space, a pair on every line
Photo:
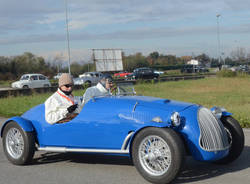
31, 81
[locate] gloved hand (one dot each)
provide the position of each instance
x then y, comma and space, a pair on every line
72, 108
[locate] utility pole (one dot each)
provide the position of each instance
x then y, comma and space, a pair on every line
218, 37
67, 28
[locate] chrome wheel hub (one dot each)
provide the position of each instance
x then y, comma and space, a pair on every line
14, 143
154, 155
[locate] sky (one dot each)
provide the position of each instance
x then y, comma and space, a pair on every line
176, 27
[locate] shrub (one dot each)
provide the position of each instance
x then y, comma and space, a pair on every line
226, 73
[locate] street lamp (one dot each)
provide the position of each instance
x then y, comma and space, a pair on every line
67, 26
218, 37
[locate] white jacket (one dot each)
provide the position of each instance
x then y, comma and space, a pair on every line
97, 90
56, 106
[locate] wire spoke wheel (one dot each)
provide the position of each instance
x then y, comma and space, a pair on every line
14, 143
18, 145
158, 154
154, 155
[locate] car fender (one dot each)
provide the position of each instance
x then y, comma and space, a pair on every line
24, 123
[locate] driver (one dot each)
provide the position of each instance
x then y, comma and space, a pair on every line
103, 88
62, 105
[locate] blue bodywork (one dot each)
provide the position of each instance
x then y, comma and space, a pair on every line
104, 123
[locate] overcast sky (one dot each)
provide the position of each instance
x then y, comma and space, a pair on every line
178, 27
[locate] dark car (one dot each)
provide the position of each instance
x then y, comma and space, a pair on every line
143, 73
193, 69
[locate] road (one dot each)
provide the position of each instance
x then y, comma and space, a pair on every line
64, 168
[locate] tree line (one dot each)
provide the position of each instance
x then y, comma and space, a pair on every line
12, 68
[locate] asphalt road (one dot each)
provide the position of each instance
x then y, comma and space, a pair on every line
62, 168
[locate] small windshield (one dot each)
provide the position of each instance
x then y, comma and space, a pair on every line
125, 89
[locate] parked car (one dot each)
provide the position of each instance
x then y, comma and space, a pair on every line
88, 78
243, 68
193, 69
158, 72
157, 134
31, 81
122, 74
142, 73
57, 76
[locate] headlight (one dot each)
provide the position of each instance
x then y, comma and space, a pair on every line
175, 119
217, 111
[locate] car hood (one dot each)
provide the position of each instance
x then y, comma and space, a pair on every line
158, 103
16, 82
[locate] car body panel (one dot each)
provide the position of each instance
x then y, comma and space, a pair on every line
105, 123
122, 74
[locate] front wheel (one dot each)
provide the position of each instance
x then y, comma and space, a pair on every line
158, 154
18, 145
235, 137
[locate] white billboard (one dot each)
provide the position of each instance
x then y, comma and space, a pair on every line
108, 59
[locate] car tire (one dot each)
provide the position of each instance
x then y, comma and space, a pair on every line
158, 154
25, 87
236, 139
18, 145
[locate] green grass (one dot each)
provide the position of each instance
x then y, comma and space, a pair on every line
230, 93
4, 84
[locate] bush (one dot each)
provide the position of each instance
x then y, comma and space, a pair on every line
226, 73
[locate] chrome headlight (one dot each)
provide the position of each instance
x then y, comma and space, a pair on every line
217, 111
175, 119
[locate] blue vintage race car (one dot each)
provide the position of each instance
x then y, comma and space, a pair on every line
156, 133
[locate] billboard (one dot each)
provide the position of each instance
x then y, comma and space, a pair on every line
108, 59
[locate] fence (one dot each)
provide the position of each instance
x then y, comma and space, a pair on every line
19, 92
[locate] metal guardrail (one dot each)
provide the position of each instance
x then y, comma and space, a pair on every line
18, 92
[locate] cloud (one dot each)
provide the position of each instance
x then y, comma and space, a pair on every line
30, 14
30, 21
133, 34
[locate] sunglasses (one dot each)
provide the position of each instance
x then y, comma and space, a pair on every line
68, 85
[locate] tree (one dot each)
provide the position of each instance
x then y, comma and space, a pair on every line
239, 55
153, 57
203, 59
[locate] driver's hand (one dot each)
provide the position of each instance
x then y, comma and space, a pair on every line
72, 108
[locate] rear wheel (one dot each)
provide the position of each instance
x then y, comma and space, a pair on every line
158, 154
18, 145
25, 87
235, 137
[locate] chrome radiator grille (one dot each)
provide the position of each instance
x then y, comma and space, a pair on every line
213, 136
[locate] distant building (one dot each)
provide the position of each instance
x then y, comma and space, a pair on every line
193, 62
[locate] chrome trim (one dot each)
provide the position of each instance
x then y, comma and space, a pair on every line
126, 140
64, 149
135, 106
124, 149
213, 136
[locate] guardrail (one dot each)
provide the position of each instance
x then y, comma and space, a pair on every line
18, 92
